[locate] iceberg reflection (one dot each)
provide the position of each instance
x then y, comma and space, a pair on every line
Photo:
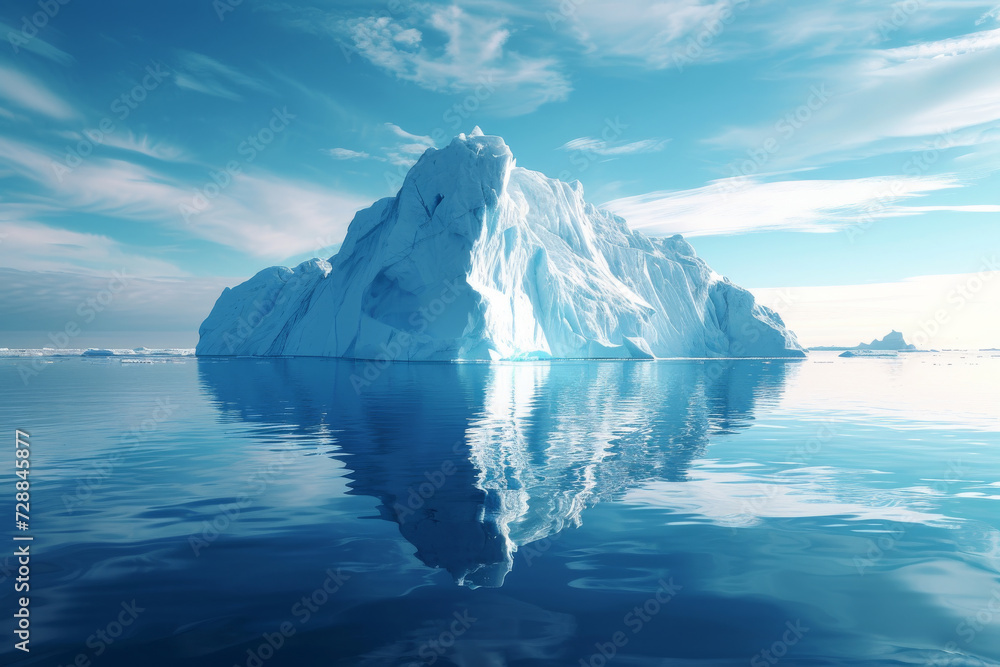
473, 461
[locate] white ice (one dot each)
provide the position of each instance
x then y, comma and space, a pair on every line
478, 259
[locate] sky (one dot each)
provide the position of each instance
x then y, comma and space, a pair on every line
839, 159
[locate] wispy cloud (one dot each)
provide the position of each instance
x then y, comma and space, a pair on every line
269, 216
32, 246
27, 161
953, 46
261, 214
993, 14
738, 205
821, 29
36, 45
403, 149
413, 139
473, 58
650, 33
345, 154
404, 152
145, 145
880, 104
209, 76
657, 34
602, 147
31, 95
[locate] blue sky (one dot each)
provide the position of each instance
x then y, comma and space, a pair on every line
798, 145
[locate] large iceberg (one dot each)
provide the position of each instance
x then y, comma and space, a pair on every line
478, 259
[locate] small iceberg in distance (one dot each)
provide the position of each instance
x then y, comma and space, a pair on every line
869, 353
887, 346
98, 352
892, 341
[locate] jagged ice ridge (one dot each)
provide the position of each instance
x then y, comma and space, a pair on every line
478, 259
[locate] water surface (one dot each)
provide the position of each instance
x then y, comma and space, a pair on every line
828, 511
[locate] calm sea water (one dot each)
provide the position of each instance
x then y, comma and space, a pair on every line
292, 512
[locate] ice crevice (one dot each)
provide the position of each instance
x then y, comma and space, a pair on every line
478, 259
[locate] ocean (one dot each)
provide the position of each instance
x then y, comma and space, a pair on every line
263, 512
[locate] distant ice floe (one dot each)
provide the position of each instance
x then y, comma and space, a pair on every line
97, 352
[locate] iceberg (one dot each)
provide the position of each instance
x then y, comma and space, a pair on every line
476, 258
892, 342
869, 353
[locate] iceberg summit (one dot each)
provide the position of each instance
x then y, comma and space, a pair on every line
478, 259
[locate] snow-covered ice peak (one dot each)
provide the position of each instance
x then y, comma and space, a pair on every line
476, 258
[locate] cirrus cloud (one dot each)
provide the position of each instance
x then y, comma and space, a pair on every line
473, 57
31, 95
605, 148
741, 205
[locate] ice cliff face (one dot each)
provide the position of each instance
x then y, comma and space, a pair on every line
892, 341
478, 259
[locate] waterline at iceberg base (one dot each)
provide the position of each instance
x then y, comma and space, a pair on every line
478, 259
